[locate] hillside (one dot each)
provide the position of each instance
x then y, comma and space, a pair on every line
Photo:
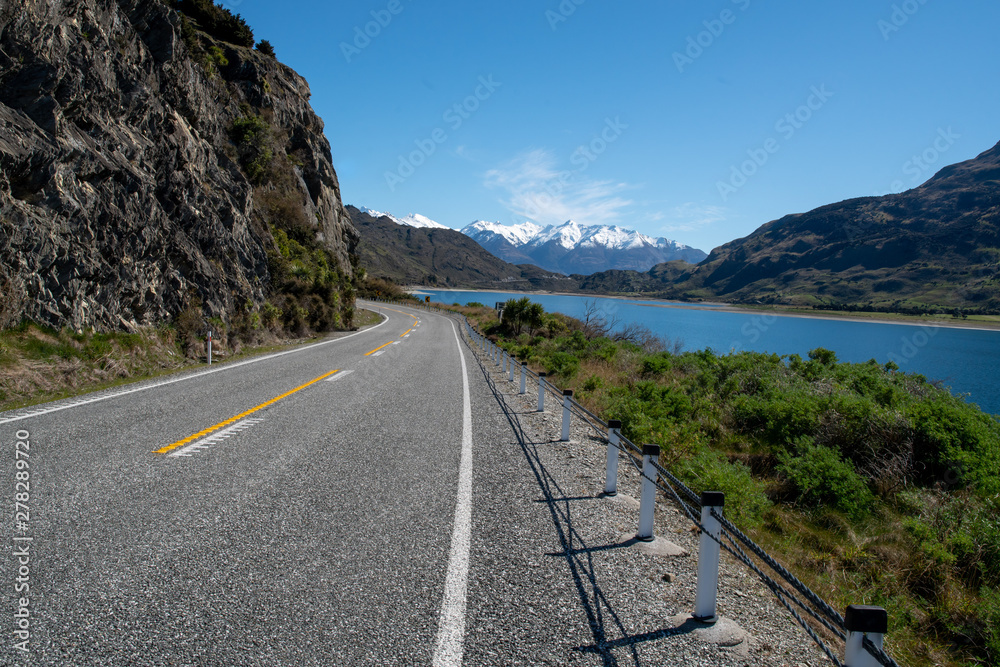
441, 257
936, 246
152, 162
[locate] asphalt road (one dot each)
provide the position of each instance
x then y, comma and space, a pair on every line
201, 522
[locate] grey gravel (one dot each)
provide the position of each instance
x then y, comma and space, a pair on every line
622, 602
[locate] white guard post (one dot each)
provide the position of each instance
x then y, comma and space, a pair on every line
614, 434
861, 620
708, 557
541, 392
647, 502
567, 397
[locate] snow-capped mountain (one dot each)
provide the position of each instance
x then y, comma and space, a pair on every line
514, 234
411, 220
574, 248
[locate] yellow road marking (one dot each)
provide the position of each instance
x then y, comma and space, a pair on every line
404, 313
407, 331
368, 354
212, 429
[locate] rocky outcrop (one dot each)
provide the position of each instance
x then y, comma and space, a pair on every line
122, 194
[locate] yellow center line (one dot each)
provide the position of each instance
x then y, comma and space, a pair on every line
415, 319
212, 429
368, 354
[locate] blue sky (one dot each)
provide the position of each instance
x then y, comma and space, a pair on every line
698, 121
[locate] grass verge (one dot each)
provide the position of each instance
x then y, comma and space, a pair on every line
39, 364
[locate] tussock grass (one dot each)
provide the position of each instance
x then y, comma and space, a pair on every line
40, 364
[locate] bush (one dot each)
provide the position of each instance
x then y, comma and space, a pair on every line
562, 364
217, 57
707, 470
252, 136
190, 327
217, 21
265, 47
822, 477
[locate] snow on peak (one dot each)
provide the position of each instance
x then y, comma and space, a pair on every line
615, 237
516, 235
379, 214
411, 220
569, 235
417, 220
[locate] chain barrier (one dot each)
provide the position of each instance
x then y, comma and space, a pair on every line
813, 605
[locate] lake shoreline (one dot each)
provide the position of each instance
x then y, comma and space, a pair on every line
720, 307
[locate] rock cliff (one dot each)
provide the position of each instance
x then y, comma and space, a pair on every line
147, 166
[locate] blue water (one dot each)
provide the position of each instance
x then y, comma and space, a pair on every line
966, 360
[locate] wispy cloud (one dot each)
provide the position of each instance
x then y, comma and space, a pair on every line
690, 216
534, 187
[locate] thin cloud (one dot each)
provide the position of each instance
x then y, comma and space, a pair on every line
535, 188
691, 216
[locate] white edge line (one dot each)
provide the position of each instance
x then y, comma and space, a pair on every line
451, 630
226, 367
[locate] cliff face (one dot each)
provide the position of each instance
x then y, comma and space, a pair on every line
124, 197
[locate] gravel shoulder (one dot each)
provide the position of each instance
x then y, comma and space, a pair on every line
555, 580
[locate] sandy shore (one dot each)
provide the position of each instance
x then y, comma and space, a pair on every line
873, 318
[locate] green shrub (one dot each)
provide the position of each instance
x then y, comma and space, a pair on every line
562, 364
252, 136
217, 57
217, 21
265, 47
826, 357
657, 364
707, 470
821, 476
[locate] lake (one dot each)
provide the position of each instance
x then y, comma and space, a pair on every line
966, 360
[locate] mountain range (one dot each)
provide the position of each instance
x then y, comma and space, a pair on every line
935, 247
567, 248
574, 248
440, 256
